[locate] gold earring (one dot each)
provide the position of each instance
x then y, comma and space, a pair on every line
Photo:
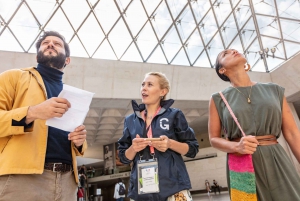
247, 67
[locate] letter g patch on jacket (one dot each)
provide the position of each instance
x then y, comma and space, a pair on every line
163, 125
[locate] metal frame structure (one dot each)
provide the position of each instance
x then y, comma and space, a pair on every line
200, 23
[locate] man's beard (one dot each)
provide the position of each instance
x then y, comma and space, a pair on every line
57, 62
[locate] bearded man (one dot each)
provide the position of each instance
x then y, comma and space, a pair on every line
38, 162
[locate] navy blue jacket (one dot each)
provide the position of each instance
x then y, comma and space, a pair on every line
173, 176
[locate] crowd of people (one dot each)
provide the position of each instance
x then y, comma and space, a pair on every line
155, 135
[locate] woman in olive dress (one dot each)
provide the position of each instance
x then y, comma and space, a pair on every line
263, 112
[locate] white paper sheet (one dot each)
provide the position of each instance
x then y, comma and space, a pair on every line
80, 102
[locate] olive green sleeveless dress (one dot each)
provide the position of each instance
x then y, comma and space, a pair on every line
276, 177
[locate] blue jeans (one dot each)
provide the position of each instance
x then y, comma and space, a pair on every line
120, 199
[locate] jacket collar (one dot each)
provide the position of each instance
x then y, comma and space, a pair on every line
139, 108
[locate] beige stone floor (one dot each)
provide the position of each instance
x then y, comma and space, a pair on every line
224, 196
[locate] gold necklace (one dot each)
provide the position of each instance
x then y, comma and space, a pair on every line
249, 95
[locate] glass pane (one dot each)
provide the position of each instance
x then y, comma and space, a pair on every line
248, 33
290, 30
93, 2
71, 8
123, 4
222, 10
146, 41
215, 47
105, 52
33, 48
252, 54
291, 49
264, 7
234, 2
243, 12
24, 26
107, 13
237, 45
194, 46
181, 59
200, 8
60, 23
135, 17
120, 42
9, 43
132, 54
48, 7
150, 5
162, 20
91, 39
268, 26
171, 44
186, 24
208, 27
7, 8
289, 9
273, 63
157, 57
203, 61
229, 30
76, 48
259, 66
176, 6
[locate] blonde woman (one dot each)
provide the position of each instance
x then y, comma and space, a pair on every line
171, 138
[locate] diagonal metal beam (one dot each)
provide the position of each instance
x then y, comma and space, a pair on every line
7, 26
258, 32
159, 41
291, 41
93, 12
236, 23
182, 44
280, 17
218, 31
132, 37
42, 28
200, 34
76, 32
106, 35
217, 23
238, 34
280, 30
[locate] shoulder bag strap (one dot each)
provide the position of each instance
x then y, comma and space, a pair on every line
232, 114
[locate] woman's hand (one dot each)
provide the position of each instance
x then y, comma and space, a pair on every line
162, 145
247, 145
139, 143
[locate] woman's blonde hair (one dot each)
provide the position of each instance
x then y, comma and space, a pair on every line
163, 81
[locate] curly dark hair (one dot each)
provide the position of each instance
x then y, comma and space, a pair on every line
218, 65
53, 33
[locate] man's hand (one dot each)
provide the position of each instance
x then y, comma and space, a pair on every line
53, 107
78, 136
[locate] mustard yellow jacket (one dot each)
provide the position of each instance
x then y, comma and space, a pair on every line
23, 151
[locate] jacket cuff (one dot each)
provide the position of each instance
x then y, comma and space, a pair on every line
123, 157
17, 115
191, 152
79, 151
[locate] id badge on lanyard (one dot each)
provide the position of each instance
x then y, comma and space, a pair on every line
148, 179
